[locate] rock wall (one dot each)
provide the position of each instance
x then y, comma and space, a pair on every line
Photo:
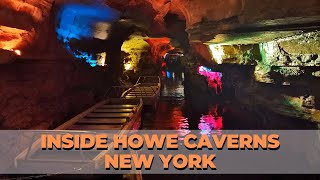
262, 10
202, 51
285, 78
301, 50
41, 94
135, 47
208, 10
45, 86
236, 54
228, 54
202, 11
20, 21
300, 99
290, 57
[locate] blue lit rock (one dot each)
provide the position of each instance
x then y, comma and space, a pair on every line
77, 22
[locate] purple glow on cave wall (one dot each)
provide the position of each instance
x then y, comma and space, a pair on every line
214, 78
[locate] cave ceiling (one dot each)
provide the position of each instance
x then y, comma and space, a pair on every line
206, 21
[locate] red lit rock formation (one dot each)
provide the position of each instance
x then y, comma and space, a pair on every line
159, 47
20, 22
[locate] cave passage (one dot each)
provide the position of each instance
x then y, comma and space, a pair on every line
215, 65
204, 107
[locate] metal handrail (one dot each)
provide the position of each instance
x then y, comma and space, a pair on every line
119, 90
144, 77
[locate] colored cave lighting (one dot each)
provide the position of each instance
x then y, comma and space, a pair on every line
168, 75
209, 122
214, 78
163, 74
217, 53
101, 60
163, 65
180, 122
18, 52
212, 121
135, 46
127, 66
203, 69
12, 38
77, 21
159, 47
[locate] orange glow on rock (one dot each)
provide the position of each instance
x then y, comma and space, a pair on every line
159, 47
13, 38
18, 52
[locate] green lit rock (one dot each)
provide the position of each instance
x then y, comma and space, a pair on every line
299, 50
316, 74
235, 54
289, 71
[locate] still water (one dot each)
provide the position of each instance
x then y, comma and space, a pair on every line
178, 112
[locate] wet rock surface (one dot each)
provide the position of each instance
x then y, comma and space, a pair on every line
43, 94
297, 99
185, 107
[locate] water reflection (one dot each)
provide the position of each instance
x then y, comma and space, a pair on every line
209, 114
168, 75
209, 124
181, 123
173, 85
173, 76
212, 121
184, 116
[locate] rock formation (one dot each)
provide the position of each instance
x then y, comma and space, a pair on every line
277, 42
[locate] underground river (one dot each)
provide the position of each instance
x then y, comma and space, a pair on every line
179, 111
